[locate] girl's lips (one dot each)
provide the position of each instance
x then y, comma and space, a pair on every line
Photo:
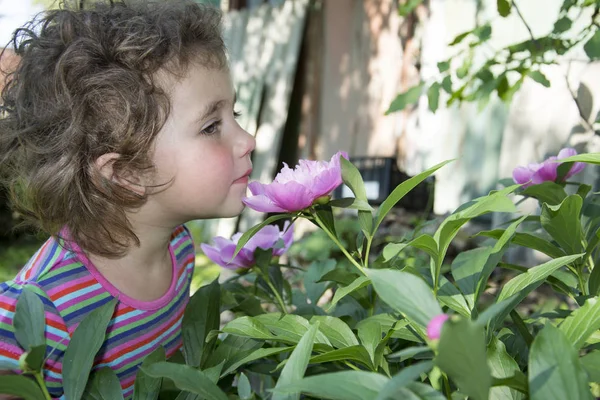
244, 178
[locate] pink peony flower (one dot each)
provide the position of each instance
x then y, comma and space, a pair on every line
534, 174
434, 328
266, 238
298, 188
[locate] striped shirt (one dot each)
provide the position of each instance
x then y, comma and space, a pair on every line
71, 287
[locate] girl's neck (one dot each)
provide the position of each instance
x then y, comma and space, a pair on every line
145, 272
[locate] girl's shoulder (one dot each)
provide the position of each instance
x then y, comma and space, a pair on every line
182, 245
51, 260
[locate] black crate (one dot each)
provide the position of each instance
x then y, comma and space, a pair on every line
381, 176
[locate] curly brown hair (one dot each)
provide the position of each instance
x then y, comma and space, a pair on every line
89, 83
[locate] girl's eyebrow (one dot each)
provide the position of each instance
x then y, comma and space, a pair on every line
215, 106
211, 108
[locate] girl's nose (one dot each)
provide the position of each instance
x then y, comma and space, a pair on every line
248, 142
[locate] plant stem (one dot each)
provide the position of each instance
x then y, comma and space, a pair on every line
521, 327
584, 291
40, 381
447, 389
280, 302
337, 242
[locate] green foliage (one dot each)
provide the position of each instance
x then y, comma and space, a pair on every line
354, 318
504, 71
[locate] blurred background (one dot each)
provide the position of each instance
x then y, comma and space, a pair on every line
401, 85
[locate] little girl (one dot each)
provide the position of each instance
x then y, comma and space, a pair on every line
117, 127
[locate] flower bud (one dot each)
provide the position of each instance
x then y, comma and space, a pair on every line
434, 328
23, 363
322, 200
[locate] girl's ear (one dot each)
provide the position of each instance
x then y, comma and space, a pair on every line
105, 165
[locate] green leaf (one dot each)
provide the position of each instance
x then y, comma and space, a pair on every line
406, 293
520, 286
256, 355
534, 276
401, 190
563, 224
502, 365
289, 327
244, 388
449, 295
466, 269
325, 214
394, 388
352, 178
337, 331
345, 385
408, 7
494, 202
582, 323
29, 320
539, 78
503, 7
409, 352
563, 24
315, 289
296, 365
252, 231
369, 332
145, 387
186, 378
447, 84
341, 292
462, 355
19, 385
443, 66
201, 316
353, 203
591, 363
592, 46
528, 240
483, 32
105, 385
554, 368
418, 391
423, 242
81, 351
232, 349
433, 96
248, 326
35, 358
355, 353
589, 158
411, 96
459, 38
546, 192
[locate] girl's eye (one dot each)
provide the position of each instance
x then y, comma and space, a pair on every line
212, 129
236, 114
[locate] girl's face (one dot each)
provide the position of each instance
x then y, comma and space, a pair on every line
201, 151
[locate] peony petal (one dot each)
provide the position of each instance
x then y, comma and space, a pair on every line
566, 152
575, 169
212, 253
256, 188
547, 172
290, 196
287, 237
262, 203
265, 238
326, 182
522, 175
434, 327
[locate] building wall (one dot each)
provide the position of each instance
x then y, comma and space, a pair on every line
365, 64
